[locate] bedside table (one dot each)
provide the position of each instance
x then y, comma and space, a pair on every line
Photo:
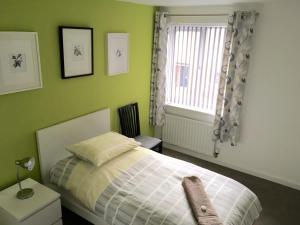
43, 208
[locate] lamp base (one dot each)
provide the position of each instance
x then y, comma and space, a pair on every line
25, 193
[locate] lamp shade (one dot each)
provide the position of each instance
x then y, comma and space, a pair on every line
26, 163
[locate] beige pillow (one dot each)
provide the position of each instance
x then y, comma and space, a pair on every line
102, 148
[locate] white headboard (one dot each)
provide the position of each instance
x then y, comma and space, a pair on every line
53, 140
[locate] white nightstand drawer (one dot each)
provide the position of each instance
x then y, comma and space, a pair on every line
58, 223
46, 216
43, 208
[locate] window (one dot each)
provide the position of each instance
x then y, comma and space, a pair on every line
194, 63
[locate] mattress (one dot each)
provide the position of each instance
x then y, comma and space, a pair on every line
147, 190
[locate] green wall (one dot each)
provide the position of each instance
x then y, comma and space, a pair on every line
21, 114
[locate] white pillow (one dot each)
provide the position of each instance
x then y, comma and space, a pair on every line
102, 148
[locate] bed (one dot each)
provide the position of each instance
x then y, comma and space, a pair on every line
148, 191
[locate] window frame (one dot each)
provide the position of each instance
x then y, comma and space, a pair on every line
190, 112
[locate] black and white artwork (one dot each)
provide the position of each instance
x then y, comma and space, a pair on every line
78, 52
18, 63
20, 68
76, 44
118, 53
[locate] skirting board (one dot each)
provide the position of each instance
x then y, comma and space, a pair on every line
216, 161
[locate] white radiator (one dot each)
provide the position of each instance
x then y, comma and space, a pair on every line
188, 133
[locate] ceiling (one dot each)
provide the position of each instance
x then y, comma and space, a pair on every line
191, 2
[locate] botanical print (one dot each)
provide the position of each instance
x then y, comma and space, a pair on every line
17, 62
158, 76
236, 58
118, 53
78, 52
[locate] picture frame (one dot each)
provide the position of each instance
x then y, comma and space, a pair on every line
76, 51
117, 53
20, 68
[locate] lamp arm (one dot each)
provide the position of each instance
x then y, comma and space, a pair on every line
18, 178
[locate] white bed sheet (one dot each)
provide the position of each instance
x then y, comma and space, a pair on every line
233, 201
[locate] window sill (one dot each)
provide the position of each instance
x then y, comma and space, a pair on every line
189, 113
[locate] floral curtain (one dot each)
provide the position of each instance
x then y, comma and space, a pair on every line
158, 76
236, 58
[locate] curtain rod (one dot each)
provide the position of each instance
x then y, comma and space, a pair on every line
216, 14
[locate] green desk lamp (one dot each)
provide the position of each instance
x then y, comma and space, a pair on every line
28, 164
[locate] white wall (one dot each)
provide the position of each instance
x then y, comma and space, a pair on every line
270, 133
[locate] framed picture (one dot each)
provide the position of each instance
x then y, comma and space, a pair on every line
118, 53
76, 51
20, 68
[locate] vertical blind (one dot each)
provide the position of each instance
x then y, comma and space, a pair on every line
194, 61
